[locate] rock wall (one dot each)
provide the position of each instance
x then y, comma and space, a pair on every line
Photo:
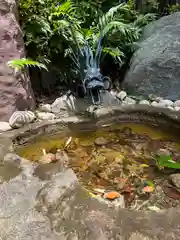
15, 91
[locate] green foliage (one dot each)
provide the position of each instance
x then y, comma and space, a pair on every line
167, 161
174, 8
50, 27
19, 64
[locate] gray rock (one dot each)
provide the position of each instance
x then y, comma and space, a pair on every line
45, 115
20, 118
45, 108
175, 178
155, 66
122, 95
64, 103
144, 102
4, 126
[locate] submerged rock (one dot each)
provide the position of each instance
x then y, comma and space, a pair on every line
175, 178
101, 141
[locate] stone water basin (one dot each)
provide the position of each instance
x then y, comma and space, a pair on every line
118, 159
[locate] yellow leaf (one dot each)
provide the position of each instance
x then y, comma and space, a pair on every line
68, 142
144, 165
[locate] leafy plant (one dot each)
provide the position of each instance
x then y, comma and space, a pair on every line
174, 8
50, 27
19, 64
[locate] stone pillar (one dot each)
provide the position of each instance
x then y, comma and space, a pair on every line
15, 90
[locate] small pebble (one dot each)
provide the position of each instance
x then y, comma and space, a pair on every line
177, 103
158, 104
166, 102
129, 101
144, 102
177, 108
122, 95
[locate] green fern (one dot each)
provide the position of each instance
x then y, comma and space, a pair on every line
19, 64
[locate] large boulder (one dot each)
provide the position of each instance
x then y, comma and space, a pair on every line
155, 66
15, 90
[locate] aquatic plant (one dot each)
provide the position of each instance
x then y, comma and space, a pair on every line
167, 161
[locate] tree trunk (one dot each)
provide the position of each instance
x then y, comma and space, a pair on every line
15, 90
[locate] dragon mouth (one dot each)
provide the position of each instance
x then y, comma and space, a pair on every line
95, 95
94, 87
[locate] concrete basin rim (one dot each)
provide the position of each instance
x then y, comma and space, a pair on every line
114, 112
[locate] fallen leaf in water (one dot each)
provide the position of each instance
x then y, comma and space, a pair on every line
144, 165
44, 152
171, 192
48, 158
84, 168
93, 195
148, 189
80, 152
68, 142
100, 158
154, 208
98, 190
111, 195
76, 141
127, 189
149, 184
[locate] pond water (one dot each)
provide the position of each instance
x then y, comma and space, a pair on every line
117, 161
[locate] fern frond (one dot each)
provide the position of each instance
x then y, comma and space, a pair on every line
110, 15
19, 64
143, 20
114, 52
